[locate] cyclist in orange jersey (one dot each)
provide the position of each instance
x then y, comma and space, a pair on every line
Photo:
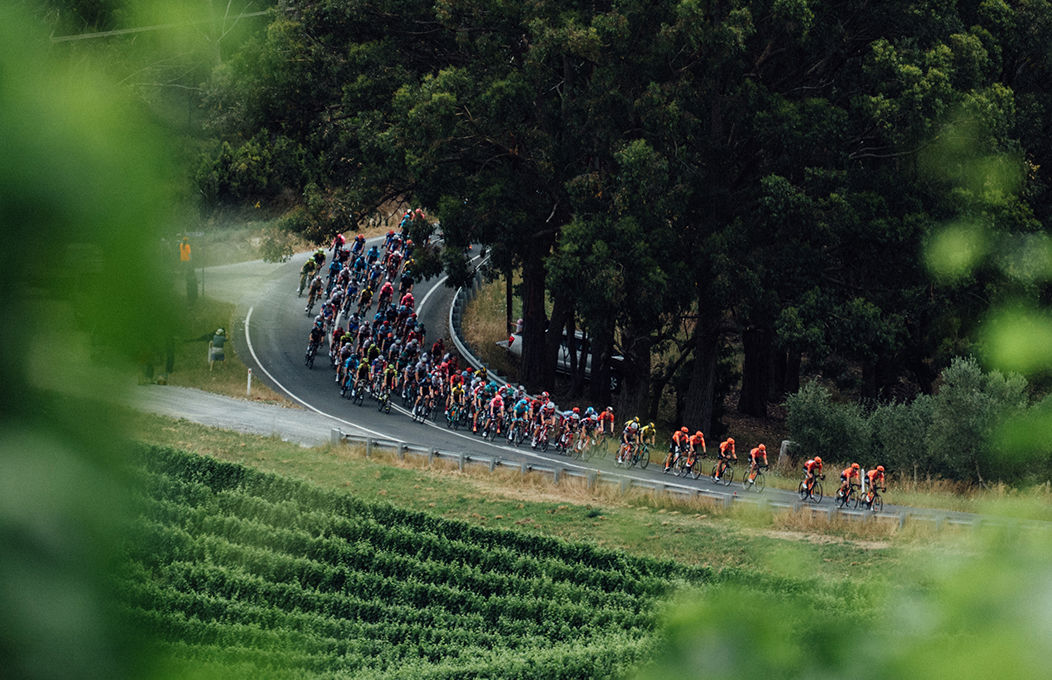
812, 469
677, 446
757, 460
847, 476
874, 480
725, 456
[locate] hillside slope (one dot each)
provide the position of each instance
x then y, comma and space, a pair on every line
239, 572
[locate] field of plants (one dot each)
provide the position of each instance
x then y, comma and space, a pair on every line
247, 572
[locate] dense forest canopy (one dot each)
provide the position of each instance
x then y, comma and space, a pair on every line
684, 180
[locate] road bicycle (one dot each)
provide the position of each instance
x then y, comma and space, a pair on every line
311, 299
726, 477
312, 350
688, 464
814, 494
582, 447
756, 481
517, 431
876, 505
359, 390
850, 498
383, 400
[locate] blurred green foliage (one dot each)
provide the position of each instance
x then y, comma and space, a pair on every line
82, 195
979, 613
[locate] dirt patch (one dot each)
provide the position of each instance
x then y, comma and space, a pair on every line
823, 539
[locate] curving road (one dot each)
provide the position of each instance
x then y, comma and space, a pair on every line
275, 329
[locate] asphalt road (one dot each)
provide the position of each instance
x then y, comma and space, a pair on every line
272, 339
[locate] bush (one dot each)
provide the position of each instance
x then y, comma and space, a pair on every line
821, 427
898, 434
950, 435
967, 408
276, 244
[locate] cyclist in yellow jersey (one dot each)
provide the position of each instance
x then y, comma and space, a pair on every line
647, 434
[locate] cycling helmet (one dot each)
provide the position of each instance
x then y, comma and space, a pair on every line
576, 410
610, 409
818, 460
698, 433
855, 465
651, 424
730, 440
544, 395
880, 468
761, 447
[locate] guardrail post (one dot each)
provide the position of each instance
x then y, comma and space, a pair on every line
522, 469
493, 463
369, 447
431, 456
556, 474
592, 477
335, 435
460, 461
626, 484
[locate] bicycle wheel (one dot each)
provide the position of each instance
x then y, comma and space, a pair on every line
728, 475
842, 499
816, 492
878, 503
643, 456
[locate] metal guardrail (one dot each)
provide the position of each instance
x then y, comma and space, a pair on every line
594, 477
461, 298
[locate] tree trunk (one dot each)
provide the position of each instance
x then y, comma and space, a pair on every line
534, 321
755, 372
562, 315
508, 300
701, 390
599, 379
635, 378
792, 372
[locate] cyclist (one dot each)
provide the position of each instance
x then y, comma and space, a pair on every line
812, 469
678, 445
757, 460
307, 274
518, 412
361, 378
390, 378
338, 242
874, 480
850, 475
629, 438
606, 421
456, 398
725, 456
314, 292
316, 335
358, 246
697, 442
496, 411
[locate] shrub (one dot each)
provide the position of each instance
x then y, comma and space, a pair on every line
965, 412
821, 427
898, 436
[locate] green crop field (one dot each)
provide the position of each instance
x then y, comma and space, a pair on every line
247, 572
